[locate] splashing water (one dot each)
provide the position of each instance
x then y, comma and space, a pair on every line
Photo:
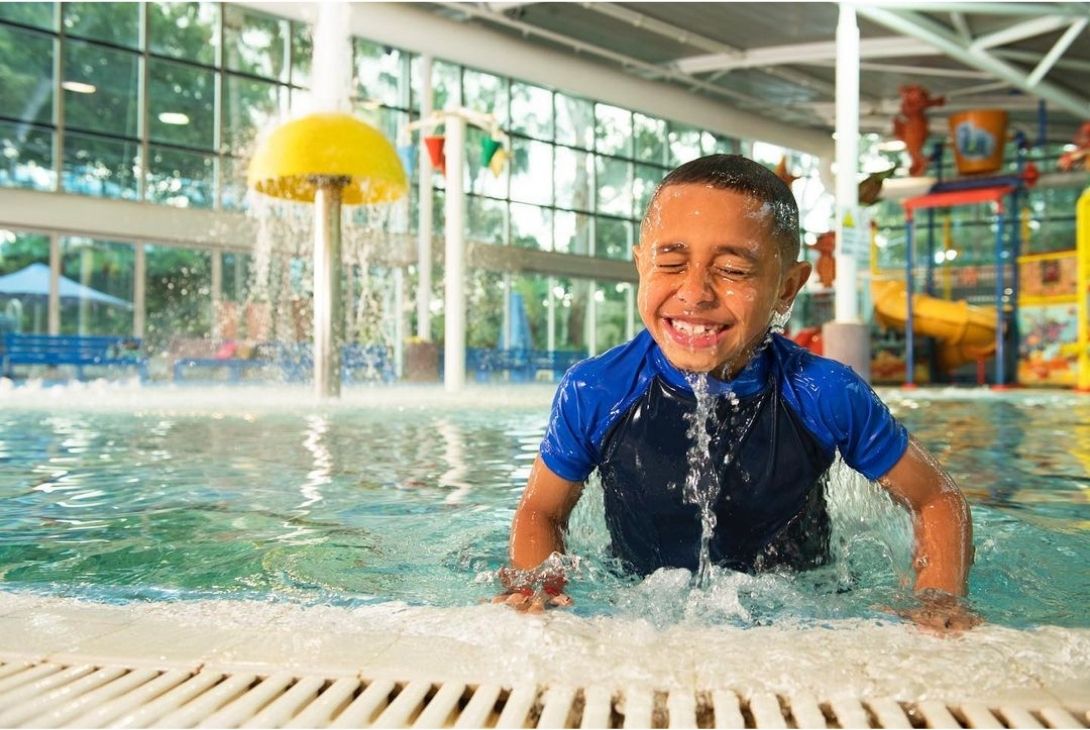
702, 484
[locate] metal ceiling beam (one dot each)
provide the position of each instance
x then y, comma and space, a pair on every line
954, 73
1057, 50
802, 53
696, 40
1019, 31
1014, 54
929, 31
986, 8
961, 25
628, 62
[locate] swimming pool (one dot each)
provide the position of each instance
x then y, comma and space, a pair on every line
388, 511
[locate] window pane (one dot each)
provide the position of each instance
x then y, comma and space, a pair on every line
650, 139
106, 268
574, 179
574, 121
486, 93
445, 85
532, 111
644, 187
27, 157
100, 166
613, 130
39, 15
480, 178
684, 144
613, 239
614, 187
112, 22
572, 233
727, 146
484, 298
184, 30
531, 226
181, 104
233, 190
255, 43
180, 178
248, 107
485, 219
611, 311
101, 89
26, 75
179, 295
302, 51
528, 320
378, 73
236, 275
23, 312
531, 171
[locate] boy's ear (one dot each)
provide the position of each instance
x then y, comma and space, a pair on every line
793, 281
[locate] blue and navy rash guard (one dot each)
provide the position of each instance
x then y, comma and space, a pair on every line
627, 413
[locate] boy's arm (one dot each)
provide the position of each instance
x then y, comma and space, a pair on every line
537, 532
944, 536
542, 517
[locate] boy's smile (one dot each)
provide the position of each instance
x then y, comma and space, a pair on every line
711, 276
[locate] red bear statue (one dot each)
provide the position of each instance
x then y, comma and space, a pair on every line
911, 126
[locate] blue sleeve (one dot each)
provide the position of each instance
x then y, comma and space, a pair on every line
869, 438
568, 448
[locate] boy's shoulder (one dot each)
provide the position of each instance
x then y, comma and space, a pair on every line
631, 356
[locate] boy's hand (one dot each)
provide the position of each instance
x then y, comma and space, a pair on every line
532, 591
940, 613
532, 602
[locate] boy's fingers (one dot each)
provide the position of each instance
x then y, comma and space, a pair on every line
561, 599
537, 605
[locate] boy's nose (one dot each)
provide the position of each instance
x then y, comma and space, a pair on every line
696, 287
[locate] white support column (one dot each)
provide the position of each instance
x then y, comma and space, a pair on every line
630, 312
847, 159
847, 339
454, 349
550, 308
505, 322
217, 293
424, 211
54, 284
399, 321
590, 325
140, 289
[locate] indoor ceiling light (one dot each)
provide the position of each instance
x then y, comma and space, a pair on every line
173, 118
79, 87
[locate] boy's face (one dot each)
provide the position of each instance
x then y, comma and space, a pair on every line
711, 277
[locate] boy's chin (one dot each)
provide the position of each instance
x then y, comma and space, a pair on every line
695, 362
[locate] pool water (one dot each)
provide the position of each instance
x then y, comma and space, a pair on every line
403, 496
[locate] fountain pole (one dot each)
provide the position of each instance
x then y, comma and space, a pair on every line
328, 299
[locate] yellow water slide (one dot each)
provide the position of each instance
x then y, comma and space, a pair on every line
966, 333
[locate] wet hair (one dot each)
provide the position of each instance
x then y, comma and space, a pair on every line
734, 172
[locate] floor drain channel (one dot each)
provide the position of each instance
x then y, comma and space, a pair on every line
46, 694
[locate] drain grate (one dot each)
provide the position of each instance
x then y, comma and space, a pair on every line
47, 694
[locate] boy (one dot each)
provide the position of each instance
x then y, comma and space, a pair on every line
717, 262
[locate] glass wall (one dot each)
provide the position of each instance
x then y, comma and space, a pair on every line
100, 276
24, 282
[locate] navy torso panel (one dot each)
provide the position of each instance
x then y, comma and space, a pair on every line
770, 509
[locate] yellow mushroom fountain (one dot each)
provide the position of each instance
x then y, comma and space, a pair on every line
330, 159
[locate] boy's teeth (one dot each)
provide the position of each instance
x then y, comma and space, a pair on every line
693, 329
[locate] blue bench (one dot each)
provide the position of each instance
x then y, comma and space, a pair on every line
294, 364
79, 351
234, 366
359, 363
521, 364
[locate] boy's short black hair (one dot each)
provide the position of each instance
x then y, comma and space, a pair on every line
734, 172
